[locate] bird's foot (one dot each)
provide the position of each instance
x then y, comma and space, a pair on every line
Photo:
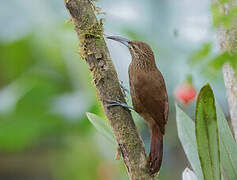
117, 103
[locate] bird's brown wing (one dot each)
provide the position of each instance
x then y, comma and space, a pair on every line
149, 88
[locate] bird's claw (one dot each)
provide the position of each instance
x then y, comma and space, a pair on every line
117, 103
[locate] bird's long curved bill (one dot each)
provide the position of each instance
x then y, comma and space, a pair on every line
120, 39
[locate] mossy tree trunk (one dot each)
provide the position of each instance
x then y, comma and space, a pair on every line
95, 52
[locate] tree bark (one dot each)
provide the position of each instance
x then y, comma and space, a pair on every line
231, 91
95, 52
228, 42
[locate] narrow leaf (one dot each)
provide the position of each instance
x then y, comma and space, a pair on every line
101, 125
207, 134
189, 175
186, 133
228, 146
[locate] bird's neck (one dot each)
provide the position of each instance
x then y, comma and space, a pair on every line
144, 64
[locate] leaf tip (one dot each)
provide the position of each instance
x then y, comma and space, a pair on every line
207, 86
206, 89
88, 114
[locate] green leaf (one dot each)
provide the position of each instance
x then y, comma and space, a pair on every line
228, 146
217, 62
207, 134
189, 175
201, 54
101, 125
186, 133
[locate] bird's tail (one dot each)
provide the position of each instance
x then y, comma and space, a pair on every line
156, 149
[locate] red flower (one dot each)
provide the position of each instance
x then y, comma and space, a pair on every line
186, 92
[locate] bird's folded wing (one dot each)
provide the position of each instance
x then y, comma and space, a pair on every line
151, 91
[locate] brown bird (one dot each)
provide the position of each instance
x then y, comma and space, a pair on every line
149, 95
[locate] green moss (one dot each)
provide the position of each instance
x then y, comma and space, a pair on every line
91, 32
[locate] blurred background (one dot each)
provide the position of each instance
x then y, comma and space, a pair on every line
45, 88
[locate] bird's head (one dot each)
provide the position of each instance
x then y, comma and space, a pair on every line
139, 50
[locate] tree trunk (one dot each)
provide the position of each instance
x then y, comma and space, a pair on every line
95, 52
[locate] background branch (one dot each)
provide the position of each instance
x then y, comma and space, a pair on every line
228, 42
231, 92
94, 50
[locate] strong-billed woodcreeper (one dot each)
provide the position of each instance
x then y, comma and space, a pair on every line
149, 95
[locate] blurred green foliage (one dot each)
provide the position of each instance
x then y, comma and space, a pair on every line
82, 157
201, 54
223, 15
18, 67
42, 88
204, 57
217, 62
